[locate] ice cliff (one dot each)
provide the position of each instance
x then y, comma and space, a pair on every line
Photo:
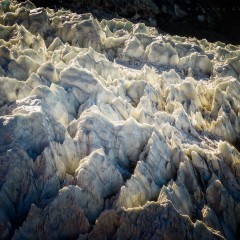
111, 130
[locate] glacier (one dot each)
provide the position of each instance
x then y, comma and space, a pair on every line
112, 130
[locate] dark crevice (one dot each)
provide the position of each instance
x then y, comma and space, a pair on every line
236, 144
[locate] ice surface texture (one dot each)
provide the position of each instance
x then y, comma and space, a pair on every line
110, 130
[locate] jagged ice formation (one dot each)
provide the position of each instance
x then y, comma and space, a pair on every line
110, 130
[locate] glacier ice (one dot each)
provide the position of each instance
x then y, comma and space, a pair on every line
110, 130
